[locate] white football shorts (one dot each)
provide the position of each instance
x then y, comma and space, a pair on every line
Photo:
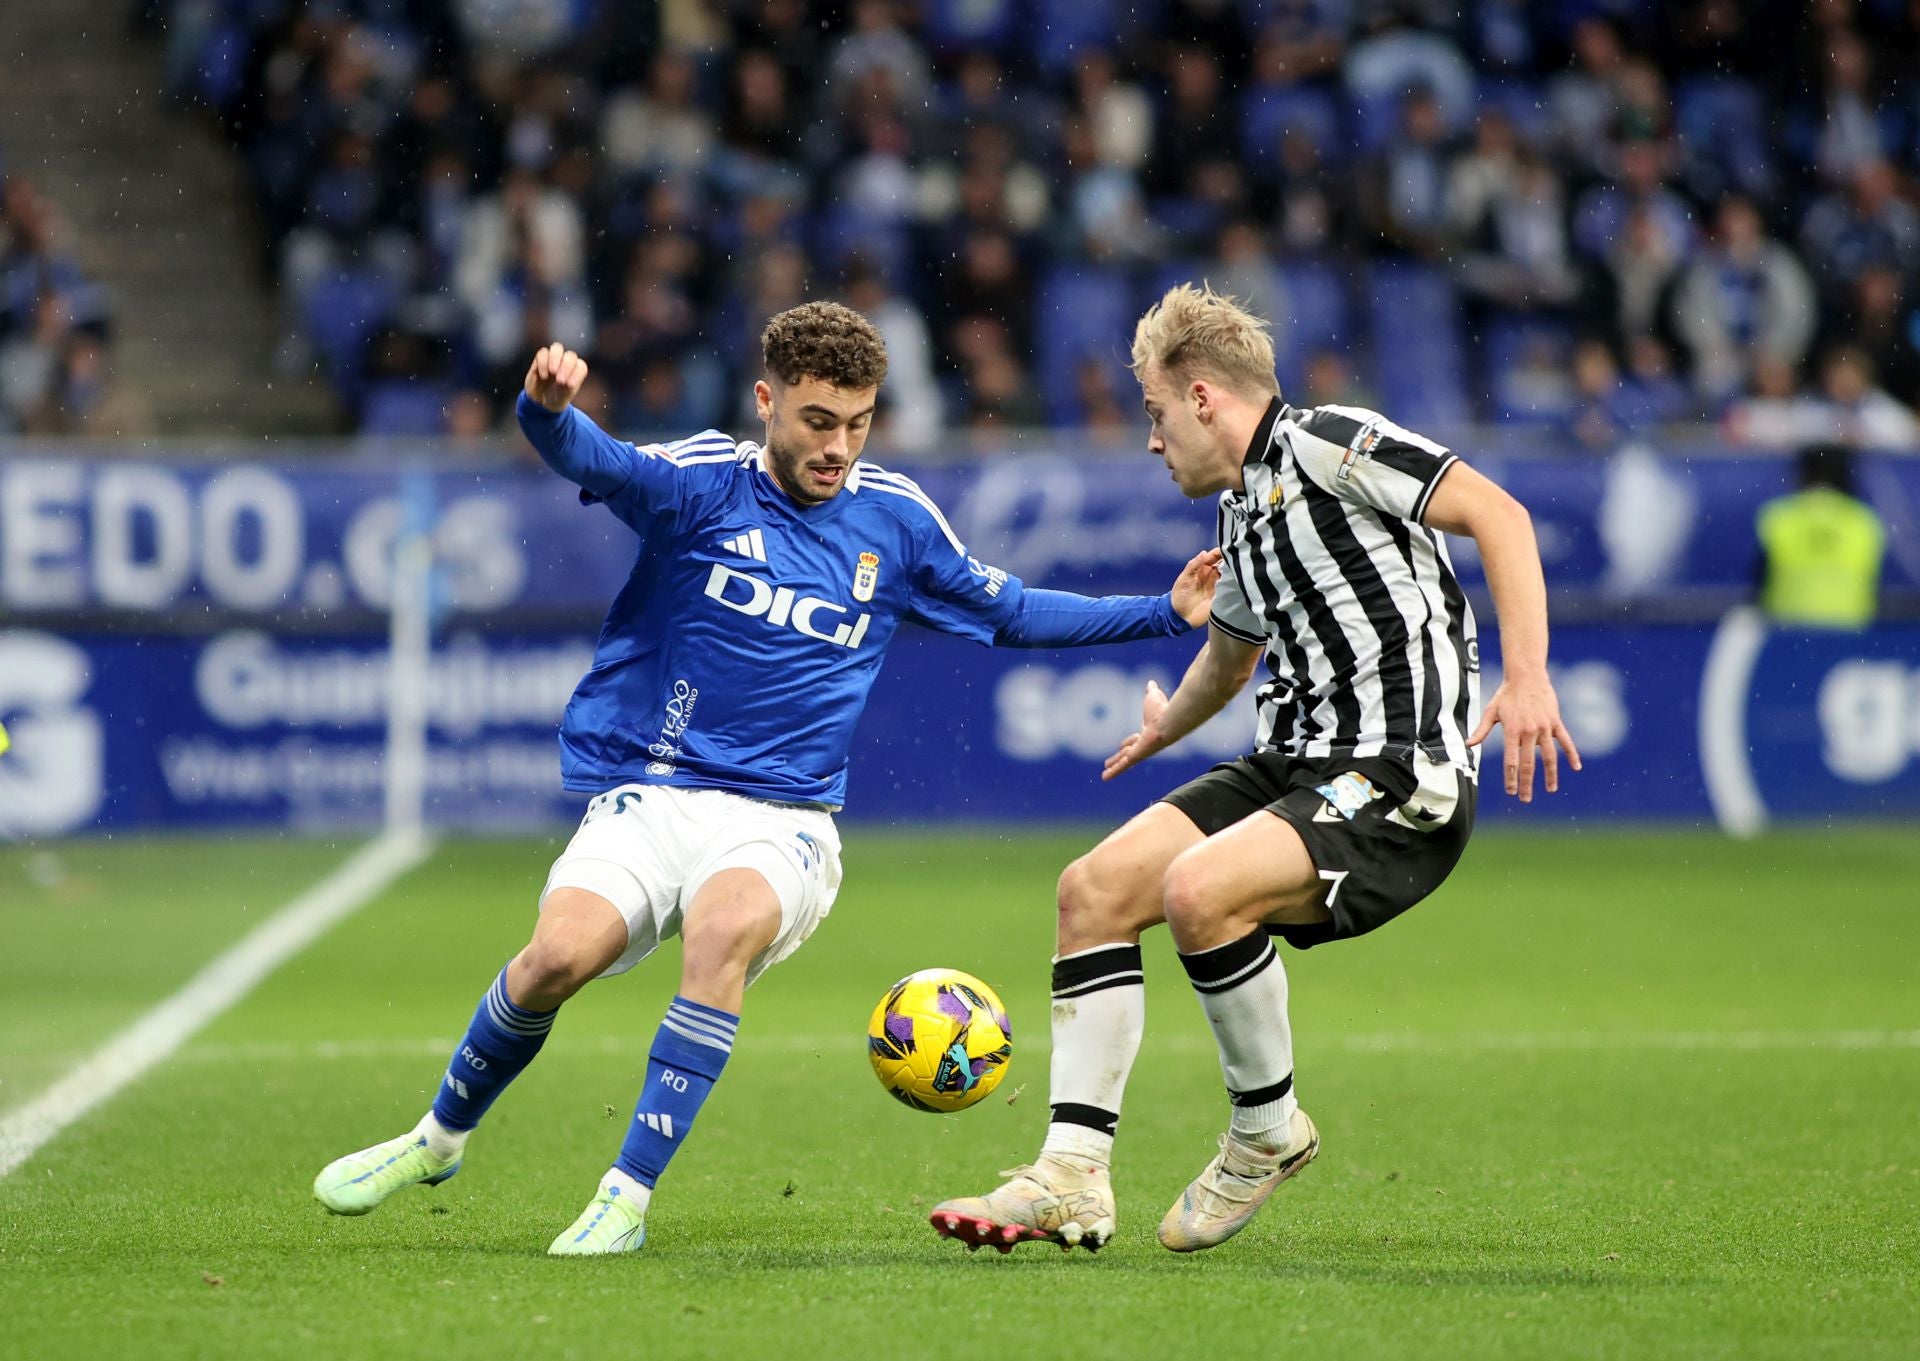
648, 849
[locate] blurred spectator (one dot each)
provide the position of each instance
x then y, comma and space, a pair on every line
1882, 321
1641, 268
1640, 191
1243, 268
1848, 126
1775, 413
1863, 413
1400, 56
1610, 407
912, 408
1865, 224
763, 117
1119, 115
1821, 547
659, 128
1194, 132
1509, 213
998, 393
1583, 101
1849, 408
988, 281
1406, 187
1101, 413
1316, 210
1302, 39
525, 235
878, 43
659, 176
1658, 397
54, 325
1330, 380
1744, 297
1106, 213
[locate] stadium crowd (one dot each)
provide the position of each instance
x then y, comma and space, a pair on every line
54, 321
1591, 217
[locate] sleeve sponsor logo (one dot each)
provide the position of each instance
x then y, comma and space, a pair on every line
992, 576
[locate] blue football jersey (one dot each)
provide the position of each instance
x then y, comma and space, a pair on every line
739, 654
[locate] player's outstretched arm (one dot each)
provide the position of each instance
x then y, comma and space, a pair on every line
1467, 503
1220, 672
566, 438
1065, 619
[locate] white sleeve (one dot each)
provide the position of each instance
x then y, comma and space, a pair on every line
1362, 457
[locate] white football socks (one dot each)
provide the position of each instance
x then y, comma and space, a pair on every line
1099, 1015
1242, 987
445, 1144
631, 1191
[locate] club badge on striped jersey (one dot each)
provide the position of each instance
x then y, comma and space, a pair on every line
866, 576
1363, 446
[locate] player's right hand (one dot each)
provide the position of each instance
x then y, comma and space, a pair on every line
555, 376
1139, 746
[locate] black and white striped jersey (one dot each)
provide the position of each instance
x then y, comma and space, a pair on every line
1370, 644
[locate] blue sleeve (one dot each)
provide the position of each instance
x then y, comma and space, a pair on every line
638, 482
1063, 619
958, 594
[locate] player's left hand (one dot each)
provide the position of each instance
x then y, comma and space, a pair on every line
1193, 588
1530, 712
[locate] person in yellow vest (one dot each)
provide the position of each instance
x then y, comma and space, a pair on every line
1821, 547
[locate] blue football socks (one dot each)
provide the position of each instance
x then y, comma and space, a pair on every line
688, 1054
501, 1040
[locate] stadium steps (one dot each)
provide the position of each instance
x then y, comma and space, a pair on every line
157, 209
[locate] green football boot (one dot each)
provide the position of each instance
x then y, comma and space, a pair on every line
358, 1182
612, 1222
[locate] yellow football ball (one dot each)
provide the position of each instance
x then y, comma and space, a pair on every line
939, 1040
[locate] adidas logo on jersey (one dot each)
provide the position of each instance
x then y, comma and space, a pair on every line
659, 1124
748, 545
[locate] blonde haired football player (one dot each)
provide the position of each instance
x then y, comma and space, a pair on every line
1358, 799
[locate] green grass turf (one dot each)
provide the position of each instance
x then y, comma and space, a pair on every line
1618, 1094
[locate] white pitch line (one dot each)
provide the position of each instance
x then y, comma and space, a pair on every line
219, 985
1518, 1042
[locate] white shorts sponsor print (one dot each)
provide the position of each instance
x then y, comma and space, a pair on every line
648, 850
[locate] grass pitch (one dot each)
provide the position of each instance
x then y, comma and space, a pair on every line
1616, 1094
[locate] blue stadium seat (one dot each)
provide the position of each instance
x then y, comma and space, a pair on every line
840, 233
1522, 101
1317, 295
967, 25
406, 409
1085, 311
1420, 366
341, 315
1724, 120
1062, 29
1268, 112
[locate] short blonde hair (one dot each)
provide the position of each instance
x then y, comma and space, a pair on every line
1198, 333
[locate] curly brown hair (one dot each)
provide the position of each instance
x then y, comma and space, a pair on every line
827, 341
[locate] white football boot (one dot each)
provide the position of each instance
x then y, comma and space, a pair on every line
1231, 1189
1055, 1200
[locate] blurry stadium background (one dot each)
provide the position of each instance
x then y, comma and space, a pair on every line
276, 573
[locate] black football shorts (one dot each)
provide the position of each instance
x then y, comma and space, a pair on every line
1384, 833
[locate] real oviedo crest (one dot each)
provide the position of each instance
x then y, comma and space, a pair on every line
866, 575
